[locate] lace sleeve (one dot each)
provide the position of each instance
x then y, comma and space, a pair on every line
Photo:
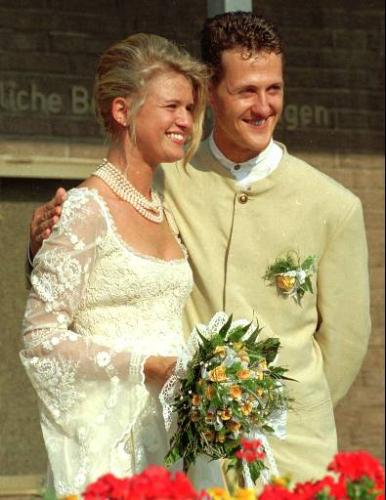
60, 362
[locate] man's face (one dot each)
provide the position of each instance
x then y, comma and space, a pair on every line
247, 103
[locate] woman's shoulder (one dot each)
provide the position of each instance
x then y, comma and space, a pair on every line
85, 205
87, 194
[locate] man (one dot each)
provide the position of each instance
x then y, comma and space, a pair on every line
242, 203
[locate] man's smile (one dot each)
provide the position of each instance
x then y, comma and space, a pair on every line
256, 122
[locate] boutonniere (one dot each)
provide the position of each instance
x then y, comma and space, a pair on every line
292, 277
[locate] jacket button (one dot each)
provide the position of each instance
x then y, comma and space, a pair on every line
243, 198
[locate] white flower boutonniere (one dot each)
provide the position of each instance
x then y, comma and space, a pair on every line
291, 276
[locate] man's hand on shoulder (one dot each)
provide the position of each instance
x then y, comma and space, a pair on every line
43, 220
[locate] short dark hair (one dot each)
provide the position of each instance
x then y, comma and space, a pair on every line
227, 31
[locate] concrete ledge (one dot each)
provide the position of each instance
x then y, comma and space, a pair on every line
46, 167
21, 486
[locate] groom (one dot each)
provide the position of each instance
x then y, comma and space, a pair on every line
244, 202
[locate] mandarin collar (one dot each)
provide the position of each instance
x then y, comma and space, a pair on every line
246, 165
256, 169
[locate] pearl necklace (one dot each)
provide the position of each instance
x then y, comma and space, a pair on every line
150, 209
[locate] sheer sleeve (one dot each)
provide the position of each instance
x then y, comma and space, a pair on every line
62, 364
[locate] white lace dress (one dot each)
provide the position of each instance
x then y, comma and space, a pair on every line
96, 310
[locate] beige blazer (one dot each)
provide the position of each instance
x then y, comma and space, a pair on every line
231, 244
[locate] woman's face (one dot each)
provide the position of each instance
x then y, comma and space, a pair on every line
165, 120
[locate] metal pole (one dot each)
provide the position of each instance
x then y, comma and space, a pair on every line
219, 6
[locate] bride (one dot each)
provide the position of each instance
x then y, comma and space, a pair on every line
102, 327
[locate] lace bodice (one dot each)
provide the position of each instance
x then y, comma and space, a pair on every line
96, 310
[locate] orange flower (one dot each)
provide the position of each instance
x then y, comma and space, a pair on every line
261, 369
196, 400
233, 426
283, 481
218, 494
243, 355
238, 346
245, 494
220, 437
218, 374
285, 283
220, 350
225, 414
210, 417
195, 416
246, 408
244, 374
235, 391
209, 435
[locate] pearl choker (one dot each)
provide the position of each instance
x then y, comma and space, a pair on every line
150, 209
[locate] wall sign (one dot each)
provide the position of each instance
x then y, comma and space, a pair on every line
30, 97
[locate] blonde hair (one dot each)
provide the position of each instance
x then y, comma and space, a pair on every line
125, 69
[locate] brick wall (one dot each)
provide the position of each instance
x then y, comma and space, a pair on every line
49, 47
334, 61
333, 119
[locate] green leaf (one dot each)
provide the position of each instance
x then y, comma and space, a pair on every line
283, 377
224, 329
309, 284
171, 457
204, 340
255, 469
253, 337
269, 348
308, 262
238, 333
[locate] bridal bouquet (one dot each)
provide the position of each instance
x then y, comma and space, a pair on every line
230, 391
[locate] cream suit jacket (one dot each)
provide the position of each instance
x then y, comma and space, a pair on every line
232, 240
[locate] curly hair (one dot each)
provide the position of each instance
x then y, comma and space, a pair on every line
246, 30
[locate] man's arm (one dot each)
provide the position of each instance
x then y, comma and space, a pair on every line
43, 220
343, 302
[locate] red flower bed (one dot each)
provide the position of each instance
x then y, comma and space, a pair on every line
356, 465
355, 476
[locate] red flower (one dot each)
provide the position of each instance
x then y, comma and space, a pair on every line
107, 487
251, 450
357, 465
339, 489
309, 490
182, 486
155, 483
272, 492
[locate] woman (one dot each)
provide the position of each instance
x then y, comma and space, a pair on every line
102, 328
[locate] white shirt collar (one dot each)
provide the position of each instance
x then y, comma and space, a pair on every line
250, 171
